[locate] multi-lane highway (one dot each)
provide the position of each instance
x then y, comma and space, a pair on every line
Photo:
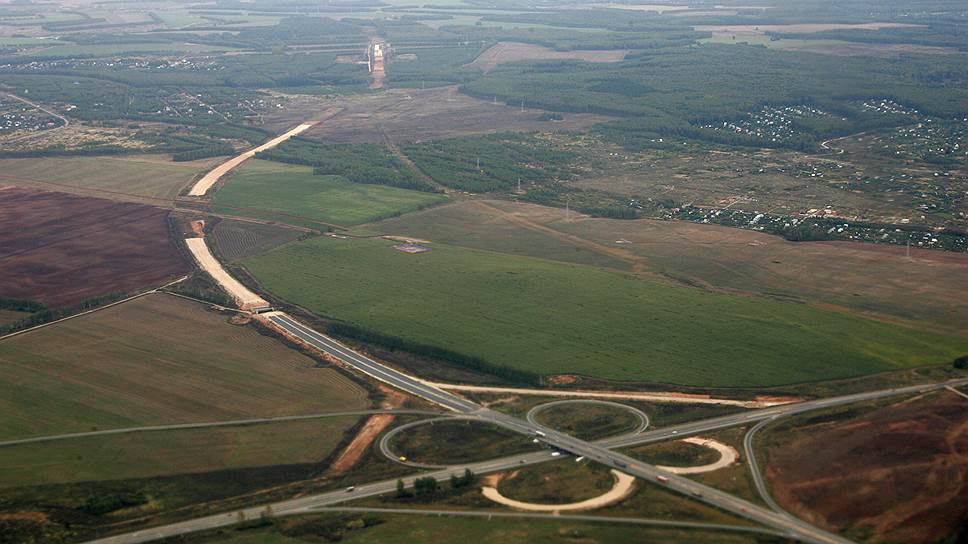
601, 451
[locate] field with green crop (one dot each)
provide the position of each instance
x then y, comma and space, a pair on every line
546, 317
156, 360
143, 455
107, 177
293, 194
388, 529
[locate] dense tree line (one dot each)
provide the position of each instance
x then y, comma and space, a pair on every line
489, 163
364, 163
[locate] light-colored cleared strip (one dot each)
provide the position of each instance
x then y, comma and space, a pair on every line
620, 395
203, 185
246, 298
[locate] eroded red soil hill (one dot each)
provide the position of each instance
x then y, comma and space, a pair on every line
898, 473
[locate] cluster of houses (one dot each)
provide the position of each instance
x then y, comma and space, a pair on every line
769, 123
197, 64
887, 107
16, 117
824, 224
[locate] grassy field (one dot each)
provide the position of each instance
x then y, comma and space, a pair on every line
156, 360
143, 455
388, 529
560, 482
455, 442
547, 317
100, 176
292, 194
675, 454
863, 278
588, 421
9, 316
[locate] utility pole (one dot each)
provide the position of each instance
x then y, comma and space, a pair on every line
478, 164
522, 106
567, 209
909, 248
519, 184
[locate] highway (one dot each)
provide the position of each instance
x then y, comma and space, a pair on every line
601, 453
319, 502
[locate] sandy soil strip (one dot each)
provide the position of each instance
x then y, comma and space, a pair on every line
351, 455
626, 395
727, 456
246, 298
203, 185
623, 486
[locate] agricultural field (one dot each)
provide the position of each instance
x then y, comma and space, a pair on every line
134, 178
293, 194
236, 239
865, 279
893, 473
167, 453
59, 249
388, 529
503, 52
544, 317
145, 362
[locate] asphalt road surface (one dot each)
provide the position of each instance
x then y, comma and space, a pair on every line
600, 451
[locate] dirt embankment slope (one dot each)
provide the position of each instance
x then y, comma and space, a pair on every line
898, 473
61, 249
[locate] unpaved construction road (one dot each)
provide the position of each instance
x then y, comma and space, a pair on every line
207, 262
203, 185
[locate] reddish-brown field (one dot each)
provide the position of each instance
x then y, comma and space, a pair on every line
503, 52
895, 474
60, 249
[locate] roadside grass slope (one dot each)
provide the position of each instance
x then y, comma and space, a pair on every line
549, 317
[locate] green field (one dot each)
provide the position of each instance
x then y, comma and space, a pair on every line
100, 176
142, 455
119, 49
157, 360
548, 317
292, 194
388, 529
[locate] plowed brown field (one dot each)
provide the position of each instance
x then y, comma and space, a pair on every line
60, 249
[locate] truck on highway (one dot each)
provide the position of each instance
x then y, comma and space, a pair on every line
662, 479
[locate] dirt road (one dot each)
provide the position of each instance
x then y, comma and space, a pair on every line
623, 486
246, 298
203, 185
727, 456
624, 395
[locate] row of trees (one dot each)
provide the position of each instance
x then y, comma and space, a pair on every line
428, 486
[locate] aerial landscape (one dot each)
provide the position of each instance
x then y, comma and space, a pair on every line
432, 271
